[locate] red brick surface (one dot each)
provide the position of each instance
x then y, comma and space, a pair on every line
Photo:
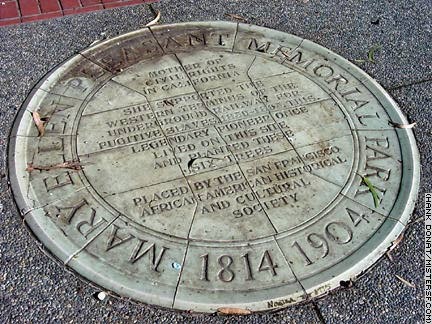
47, 15
18, 11
4, 22
83, 9
70, 4
49, 5
86, 3
29, 7
8, 9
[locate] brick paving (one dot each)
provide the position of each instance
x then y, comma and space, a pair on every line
21, 11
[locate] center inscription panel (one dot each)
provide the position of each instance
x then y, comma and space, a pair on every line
215, 146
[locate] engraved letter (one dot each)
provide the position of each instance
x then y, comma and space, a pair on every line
71, 211
137, 254
91, 224
57, 181
115, 240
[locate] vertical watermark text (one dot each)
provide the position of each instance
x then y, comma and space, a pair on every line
428, 258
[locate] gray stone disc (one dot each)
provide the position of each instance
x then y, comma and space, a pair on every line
204, 165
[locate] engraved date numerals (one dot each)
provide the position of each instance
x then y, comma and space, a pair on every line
335, 232
227, 268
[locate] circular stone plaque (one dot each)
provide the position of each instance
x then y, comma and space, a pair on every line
206, 165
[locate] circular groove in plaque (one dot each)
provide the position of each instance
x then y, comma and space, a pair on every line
211, 164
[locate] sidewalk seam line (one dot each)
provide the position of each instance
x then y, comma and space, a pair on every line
400, 86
